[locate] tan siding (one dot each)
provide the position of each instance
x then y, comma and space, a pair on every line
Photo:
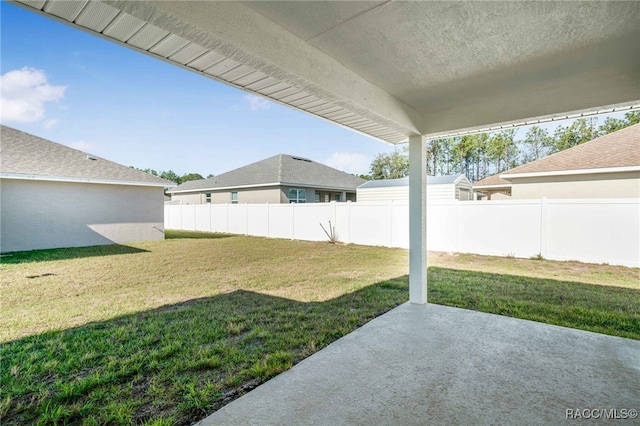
40, 215
401, 193
462, 185
609, 185
440, 192
395, 193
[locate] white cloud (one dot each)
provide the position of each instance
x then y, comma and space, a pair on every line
256, 103
49, 124
23, 95
349, 162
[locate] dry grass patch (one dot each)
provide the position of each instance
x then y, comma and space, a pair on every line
59, 289
586, 273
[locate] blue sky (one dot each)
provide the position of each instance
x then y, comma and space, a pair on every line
77, 89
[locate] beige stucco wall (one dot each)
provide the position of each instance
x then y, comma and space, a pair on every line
500, 196
248, 196
601, 185
190, 198
40, 215
272, 195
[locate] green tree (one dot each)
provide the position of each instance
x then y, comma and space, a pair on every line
434, 151
536, 143
390, 166
481, 142
502, 150
190, 176
170, 175
611, 124
632, 117
580, 131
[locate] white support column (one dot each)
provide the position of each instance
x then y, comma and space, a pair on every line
417, 220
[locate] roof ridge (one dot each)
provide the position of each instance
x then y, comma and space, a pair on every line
582, 154
26, 154
280, 166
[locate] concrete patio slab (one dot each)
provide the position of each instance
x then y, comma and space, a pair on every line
431, 364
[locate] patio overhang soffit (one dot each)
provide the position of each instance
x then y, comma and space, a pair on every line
391, 69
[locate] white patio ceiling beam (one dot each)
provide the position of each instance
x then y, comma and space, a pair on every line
232, 43
392, 69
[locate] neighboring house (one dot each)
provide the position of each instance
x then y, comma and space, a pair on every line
605, 167
54, 196
278, 179
493, 187
455, 187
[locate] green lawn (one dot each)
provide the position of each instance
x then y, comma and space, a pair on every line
168, 332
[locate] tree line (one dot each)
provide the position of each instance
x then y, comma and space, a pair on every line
485, 154
170, 175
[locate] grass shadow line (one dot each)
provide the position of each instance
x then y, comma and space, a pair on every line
174, 234
228, 343
48, 255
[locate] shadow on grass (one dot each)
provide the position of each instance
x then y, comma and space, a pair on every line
171, 234
67, 253
102, 250
598, 308
181, 362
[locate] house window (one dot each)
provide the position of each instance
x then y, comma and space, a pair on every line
338, 197
317, 197
207, 197
297, 195
234, 197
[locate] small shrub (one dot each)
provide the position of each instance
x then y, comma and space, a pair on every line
331, 233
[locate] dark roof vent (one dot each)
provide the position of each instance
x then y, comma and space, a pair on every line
301, 159
89, 157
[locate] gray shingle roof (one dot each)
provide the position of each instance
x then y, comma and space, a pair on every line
280, 169
26, 156
431, 180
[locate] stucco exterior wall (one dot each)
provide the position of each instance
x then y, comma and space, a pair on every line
40, 215
191, 198
248, 196
601, 185
271, 195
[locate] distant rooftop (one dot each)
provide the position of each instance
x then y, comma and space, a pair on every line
617, 149
25, 156
281, 169
494, 180
431, 180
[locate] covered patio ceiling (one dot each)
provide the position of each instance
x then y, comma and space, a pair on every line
391, 69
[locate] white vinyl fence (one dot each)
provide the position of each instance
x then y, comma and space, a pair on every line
588, 230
